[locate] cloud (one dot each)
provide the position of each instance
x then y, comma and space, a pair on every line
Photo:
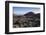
24, 10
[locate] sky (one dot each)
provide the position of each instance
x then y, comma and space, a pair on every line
24, 10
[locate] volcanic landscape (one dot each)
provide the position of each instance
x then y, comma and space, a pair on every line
29, 19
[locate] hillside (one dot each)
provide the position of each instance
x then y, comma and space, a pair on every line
29, 19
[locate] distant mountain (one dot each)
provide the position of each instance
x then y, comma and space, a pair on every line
29, 14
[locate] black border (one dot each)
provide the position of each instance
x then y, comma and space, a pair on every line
7, 16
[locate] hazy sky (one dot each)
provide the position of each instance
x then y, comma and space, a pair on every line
24, 10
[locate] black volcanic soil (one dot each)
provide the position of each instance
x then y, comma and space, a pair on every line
27, 20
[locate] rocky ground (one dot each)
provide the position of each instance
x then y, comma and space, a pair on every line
26, 21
